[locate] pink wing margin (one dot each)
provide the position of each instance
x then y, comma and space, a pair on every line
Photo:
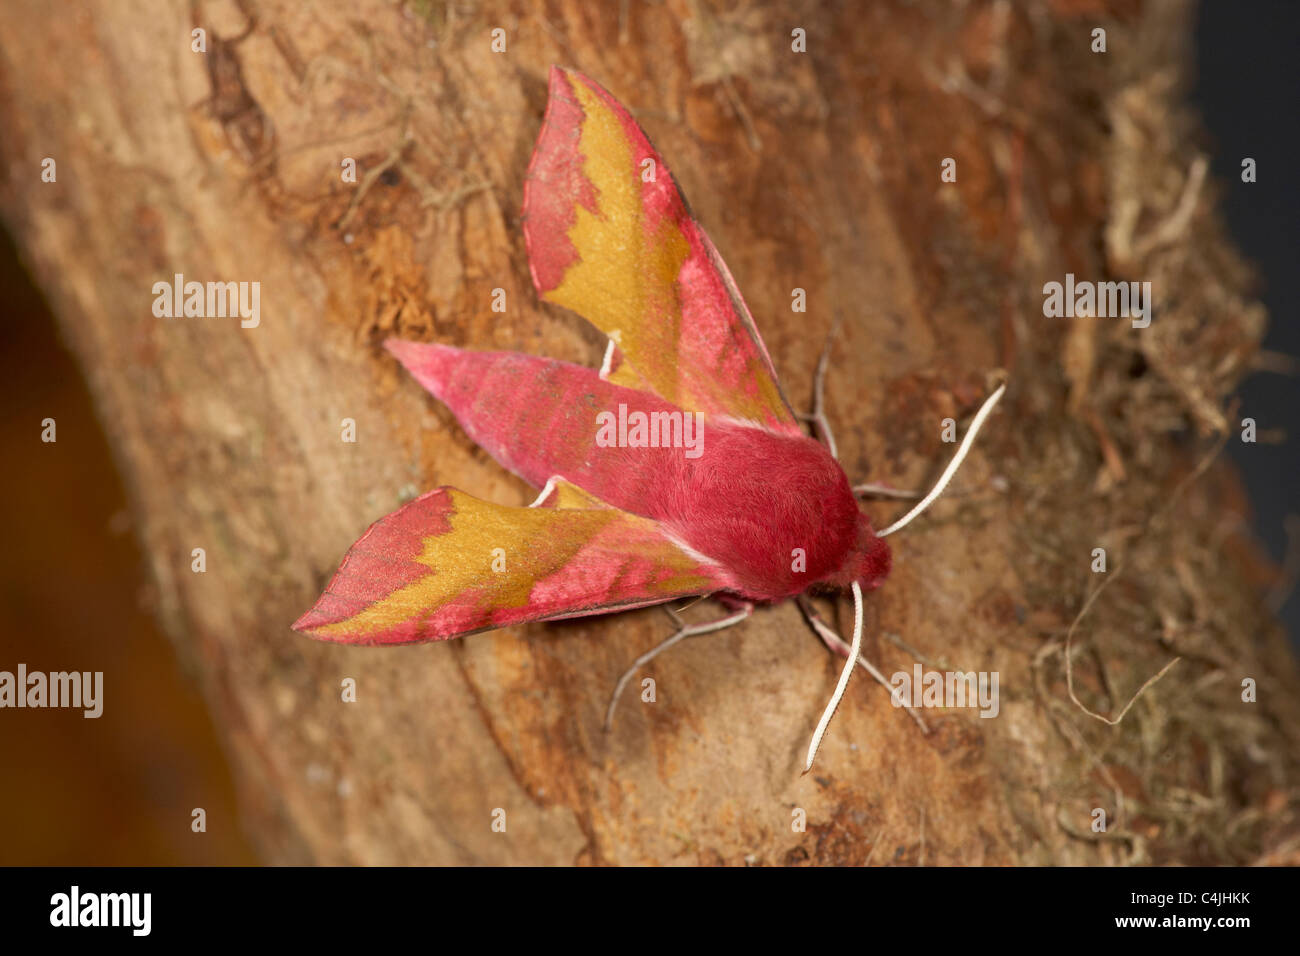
447, 564
693, 341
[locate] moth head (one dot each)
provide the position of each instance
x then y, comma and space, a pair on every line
869, 559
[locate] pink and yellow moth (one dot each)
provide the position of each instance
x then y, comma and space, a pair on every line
758, 512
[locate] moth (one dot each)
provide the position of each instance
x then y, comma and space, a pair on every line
677, 469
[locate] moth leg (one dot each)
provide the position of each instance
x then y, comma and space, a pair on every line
883, 491
684, 631
841, 647
818, 415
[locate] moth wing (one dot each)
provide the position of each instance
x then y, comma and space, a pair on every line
447, 564
609, 236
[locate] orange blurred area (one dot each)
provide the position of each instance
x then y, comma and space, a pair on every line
119, 789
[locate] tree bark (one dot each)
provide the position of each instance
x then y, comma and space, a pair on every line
817, 170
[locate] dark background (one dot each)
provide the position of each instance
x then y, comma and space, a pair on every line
121, 789
1249, 98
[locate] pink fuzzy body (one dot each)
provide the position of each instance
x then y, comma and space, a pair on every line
750, 503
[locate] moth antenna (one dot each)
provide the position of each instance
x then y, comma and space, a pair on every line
953, 465
845, 674
841, 647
